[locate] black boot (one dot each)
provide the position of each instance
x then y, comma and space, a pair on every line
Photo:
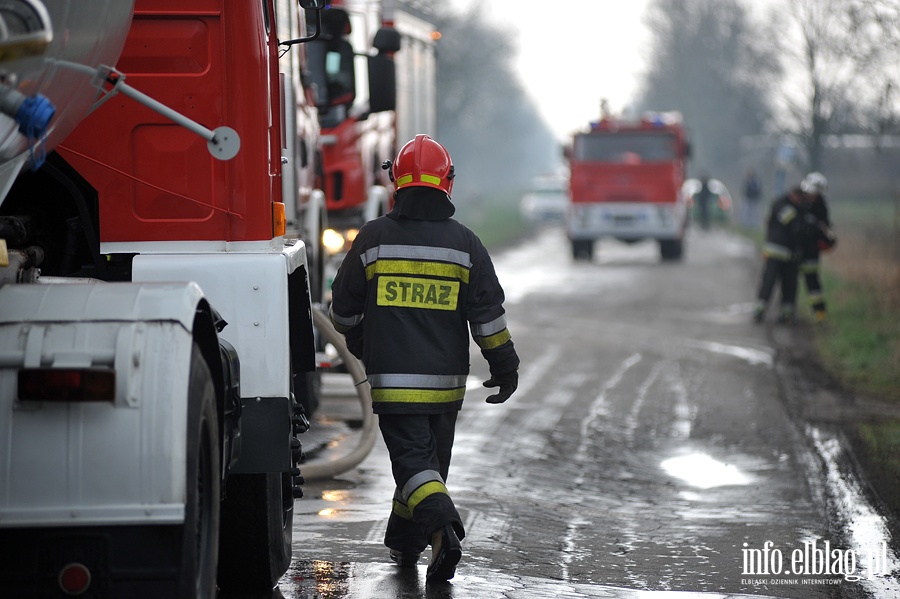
445, 554
404, 559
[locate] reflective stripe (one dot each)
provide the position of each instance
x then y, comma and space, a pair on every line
489, 328
493, 341
416, 252
779, 252
417, 480
410, 267
809, 267
787, 214
418, 381
422, 493
401, 510
429, 396
344, 323
424, 178
816, 298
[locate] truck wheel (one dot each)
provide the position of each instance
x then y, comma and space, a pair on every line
200, 538
582, 249
255, 538
671, 249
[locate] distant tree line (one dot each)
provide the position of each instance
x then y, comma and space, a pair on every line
491, 127
803, 71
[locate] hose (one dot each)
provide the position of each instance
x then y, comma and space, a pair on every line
330, 469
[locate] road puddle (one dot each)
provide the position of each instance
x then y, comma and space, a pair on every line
703, 471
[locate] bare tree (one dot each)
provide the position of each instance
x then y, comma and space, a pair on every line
715, 64
491, 127
846, 54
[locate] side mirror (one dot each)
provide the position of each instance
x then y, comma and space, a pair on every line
382, 83
314, 5
387, 39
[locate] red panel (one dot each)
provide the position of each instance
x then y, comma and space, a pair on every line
209, 60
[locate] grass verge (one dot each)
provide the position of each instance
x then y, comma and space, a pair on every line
495, 219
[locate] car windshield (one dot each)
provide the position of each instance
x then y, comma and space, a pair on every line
625, 147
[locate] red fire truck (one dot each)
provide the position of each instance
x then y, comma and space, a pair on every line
625, 182
154, 316
374, 73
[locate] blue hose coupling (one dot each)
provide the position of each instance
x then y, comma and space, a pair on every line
34, 116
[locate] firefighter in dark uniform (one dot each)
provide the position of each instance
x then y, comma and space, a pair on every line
782, 249
817, 236
413, 285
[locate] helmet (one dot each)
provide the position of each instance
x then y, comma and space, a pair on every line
814, 183
422, 162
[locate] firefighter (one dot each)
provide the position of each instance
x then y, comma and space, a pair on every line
783, 238
704, 197
817, 237
413, 285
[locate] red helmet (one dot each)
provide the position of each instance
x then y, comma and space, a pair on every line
423, 162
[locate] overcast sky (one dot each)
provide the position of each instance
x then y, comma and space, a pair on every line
573, 53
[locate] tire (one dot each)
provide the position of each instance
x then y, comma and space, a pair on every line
200, 537
671, 249
582, 249
308, 391
255, 538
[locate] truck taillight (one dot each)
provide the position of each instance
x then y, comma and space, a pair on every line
74, 579
67, 384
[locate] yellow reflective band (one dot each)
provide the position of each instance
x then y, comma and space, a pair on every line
417, 267
433, 396
492, 341
787, 214
809, 268
430, 179
424, 491
407, 292
401, 510
404, 180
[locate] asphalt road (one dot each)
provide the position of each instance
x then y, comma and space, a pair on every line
648, 450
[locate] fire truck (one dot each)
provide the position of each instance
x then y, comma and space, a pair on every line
625, 182
374, 70
155, 319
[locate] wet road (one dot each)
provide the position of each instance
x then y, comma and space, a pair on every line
647, 450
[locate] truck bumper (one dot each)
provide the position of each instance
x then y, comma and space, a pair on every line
123, 561
626, 221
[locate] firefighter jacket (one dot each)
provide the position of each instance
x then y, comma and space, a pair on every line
413, 285
817, 235
786, 229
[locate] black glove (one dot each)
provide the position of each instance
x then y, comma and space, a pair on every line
507, 381
354, 339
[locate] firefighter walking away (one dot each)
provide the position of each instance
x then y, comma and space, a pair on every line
413, 286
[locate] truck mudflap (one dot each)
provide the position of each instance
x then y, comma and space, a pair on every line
79, 463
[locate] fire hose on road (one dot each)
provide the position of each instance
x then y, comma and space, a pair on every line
330, 469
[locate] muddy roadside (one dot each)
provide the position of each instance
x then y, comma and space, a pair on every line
863, 421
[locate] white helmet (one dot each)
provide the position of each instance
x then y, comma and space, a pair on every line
814, 183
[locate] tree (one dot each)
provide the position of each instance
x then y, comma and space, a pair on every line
846, 52
485, 119
712, 62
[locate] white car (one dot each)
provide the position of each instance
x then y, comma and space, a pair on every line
547, 201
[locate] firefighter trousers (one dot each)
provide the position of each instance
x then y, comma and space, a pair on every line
784, 271
810, 271
420, 446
